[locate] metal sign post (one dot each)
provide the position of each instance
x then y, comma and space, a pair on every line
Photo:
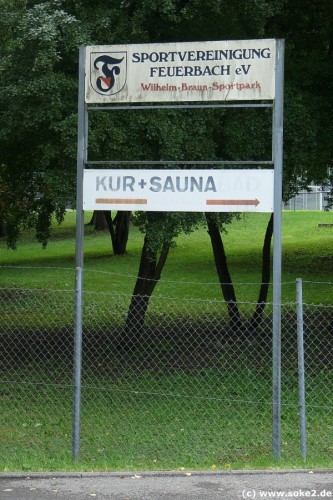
81, 158
277, 244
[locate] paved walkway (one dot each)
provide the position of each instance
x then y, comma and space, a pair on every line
247, 485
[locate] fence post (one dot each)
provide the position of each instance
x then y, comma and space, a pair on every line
77, 366
301, 373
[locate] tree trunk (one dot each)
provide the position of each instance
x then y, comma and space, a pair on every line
122, 222
109, 222
265, 276
92, 220
118, 228
2, 229
98, 221
227, 287
150, 270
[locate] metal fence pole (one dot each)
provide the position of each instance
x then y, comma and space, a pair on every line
77, 365
301, 372
81, 155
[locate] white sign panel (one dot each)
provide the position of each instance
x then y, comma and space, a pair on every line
198, 71
179, 190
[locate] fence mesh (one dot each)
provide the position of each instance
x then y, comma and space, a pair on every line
318, 345
166, 383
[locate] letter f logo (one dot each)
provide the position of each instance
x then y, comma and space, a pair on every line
108, 72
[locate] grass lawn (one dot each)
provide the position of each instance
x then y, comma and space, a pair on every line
207, 421
181, 403
189, 271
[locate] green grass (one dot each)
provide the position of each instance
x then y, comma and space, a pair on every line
148, 425
162, 407
307, 254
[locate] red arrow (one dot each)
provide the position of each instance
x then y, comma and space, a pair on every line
233, 202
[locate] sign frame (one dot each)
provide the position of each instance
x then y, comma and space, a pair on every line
277, 162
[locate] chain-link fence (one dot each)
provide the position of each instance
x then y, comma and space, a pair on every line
166, 383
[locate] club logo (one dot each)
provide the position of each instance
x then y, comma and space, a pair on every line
108, 72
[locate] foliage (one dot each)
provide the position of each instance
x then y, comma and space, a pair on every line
39, 43
307, 28
35, 113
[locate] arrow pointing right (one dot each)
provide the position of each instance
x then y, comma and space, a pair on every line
233, 202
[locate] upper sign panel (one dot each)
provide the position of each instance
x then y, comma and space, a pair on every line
236, 70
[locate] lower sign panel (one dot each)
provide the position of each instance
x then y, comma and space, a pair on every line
169, 190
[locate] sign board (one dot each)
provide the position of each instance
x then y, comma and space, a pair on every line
245, 70
198, 71
179, 190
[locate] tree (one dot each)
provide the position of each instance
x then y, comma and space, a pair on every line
215, 225
160, 229
306, 157
39, 42
37, 116
38, 111
308, 29
190, 139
